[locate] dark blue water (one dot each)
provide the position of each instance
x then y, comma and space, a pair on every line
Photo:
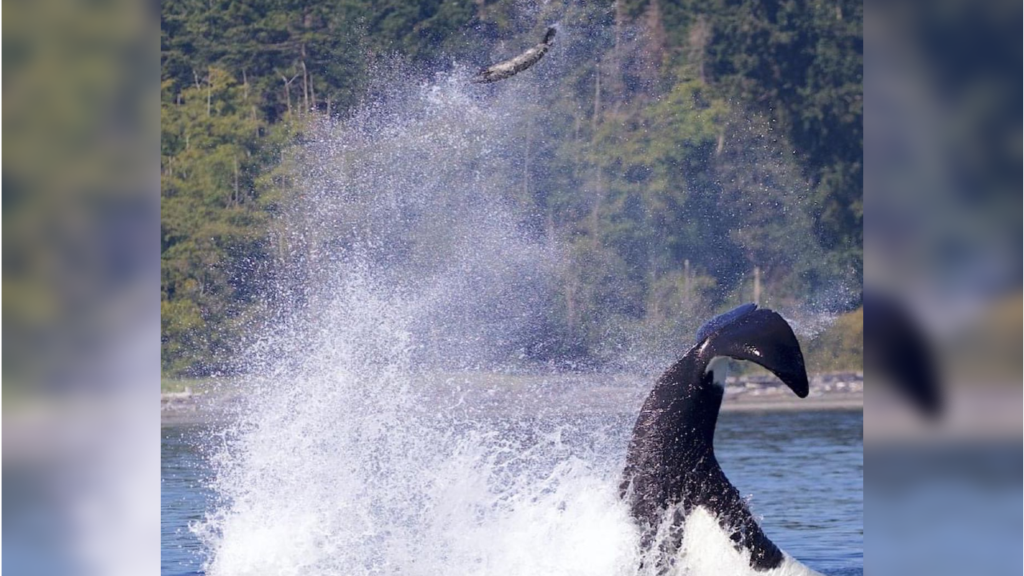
804, 471
184, 498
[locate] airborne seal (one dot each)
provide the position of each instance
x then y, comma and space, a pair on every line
511, 67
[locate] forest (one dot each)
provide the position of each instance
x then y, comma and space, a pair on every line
671, 104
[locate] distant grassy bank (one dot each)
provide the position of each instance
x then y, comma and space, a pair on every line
169, 385
838, 348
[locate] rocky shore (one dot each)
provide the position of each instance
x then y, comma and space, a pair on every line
553, 395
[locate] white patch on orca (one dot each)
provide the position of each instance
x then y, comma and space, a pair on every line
719, 368
706, 550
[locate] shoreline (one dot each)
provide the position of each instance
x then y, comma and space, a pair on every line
549, 396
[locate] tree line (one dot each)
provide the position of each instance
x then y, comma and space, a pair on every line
705, 132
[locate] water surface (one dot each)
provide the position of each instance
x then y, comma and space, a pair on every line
802, 470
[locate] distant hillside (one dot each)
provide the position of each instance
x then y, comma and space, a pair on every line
751, 110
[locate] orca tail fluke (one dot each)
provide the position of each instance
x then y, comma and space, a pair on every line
761, 336
896, 349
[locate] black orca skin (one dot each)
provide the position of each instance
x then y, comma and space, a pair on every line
671, 458
897, 349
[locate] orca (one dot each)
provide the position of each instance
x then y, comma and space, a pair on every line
513, 66
671, 465
897, 350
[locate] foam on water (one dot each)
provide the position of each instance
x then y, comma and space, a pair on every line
403, 259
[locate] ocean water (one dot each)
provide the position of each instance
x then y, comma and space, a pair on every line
803, 472
184, 498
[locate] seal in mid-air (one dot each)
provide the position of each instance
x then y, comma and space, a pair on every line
671, 460
511, 67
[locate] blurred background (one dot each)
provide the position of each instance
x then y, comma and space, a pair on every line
942, 244
81, 258
81, 287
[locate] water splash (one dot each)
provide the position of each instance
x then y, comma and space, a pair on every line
404, 260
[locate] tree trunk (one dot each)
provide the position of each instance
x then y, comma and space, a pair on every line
656, 40
757, 285
526, 157
312, 93
697, 43
305, 89
598, 192
597, 101
238, 197
686, 281
288, 91
576, 147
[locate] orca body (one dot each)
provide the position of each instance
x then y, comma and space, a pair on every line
511, 67
671, 459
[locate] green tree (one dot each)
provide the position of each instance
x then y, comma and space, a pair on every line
213, 222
